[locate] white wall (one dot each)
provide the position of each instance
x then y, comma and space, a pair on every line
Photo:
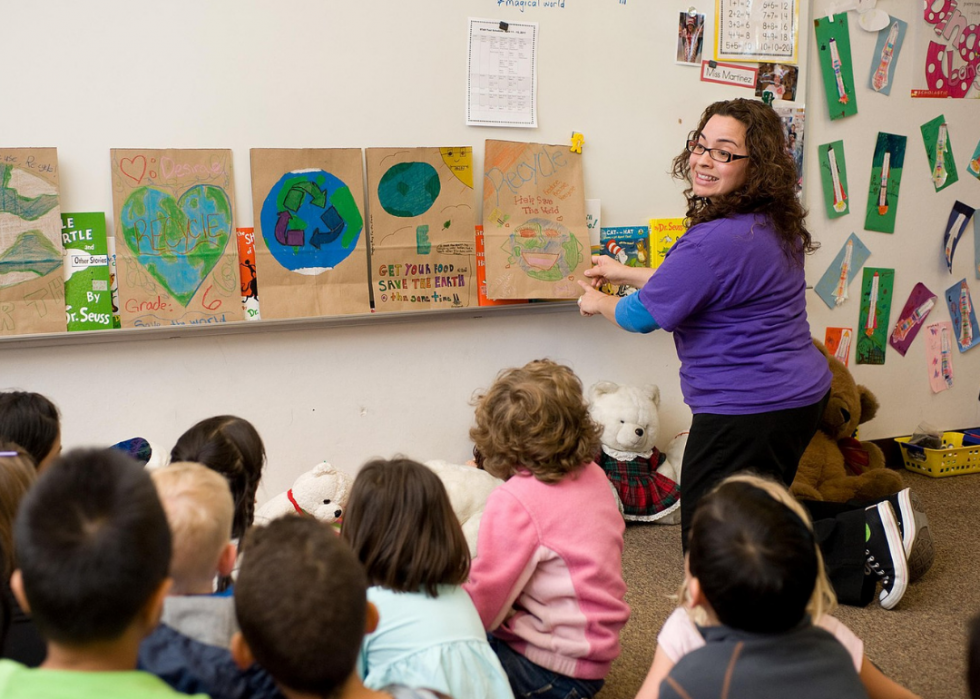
322, 73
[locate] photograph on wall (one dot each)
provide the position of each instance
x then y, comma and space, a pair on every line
946, 60
886, 179
176, 252
422, 209
690, 38
32, 285
876, 306
885, 56
939, 355
794, 126
833, 177
836, 67
534, 221
913, 316
310, 247
776, 81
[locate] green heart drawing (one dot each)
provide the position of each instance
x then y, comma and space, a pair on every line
177, 241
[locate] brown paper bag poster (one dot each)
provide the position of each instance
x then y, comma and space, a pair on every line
176, 255
537, 242
423, 247
311, 252
32, 283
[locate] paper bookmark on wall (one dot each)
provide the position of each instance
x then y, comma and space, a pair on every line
838, 343
886, 178
832, 287
885, 56
973, 167
959, 217
964, 317
939, 355
833, 174
834, 44
939, 150
876, 305
912, 317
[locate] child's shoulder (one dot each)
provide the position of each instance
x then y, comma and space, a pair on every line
399, 691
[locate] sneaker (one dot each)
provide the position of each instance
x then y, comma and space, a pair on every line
916, 537
885, 554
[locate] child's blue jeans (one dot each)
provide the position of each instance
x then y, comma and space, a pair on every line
530, 681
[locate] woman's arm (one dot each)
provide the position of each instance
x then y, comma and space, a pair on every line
878, 685
658, 671
627, 312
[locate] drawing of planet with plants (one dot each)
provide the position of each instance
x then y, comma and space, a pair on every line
545, 250
310, 221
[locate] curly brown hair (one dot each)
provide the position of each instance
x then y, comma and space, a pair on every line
534, 418
770, 185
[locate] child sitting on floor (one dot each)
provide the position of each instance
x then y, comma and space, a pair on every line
301, 601
547, 579
401, 526
680, 635
93, 549
32, 421
752, 566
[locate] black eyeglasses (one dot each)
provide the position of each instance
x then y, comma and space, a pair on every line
717, 154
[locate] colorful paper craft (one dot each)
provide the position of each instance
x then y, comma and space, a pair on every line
876, 304
838, 343
973, 166
832, 287
939, 355
959, 217
833, 175
963, 315
886, 179
88, 300
423, 213
920, 302
976, 246
534, 221
939, 150
175, 229
885, 56
32, 285
834, 47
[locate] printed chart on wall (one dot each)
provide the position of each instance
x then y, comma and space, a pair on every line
422, 208
757, 30
946, 58
534, 221
177, 258
32, 288
310, 253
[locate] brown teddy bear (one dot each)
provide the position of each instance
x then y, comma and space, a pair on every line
836, 467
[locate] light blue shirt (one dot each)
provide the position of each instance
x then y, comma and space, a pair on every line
632, 315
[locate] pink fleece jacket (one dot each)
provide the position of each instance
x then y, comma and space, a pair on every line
548, 575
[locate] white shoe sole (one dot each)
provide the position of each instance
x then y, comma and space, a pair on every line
889, 598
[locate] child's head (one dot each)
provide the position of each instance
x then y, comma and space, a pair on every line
93, 548
535, 418
200, 511
301, 603
400, 524
753, 558
17, 474
32, 421
230, 446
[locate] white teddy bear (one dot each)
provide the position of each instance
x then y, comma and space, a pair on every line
468, 488
646, 481
320, 493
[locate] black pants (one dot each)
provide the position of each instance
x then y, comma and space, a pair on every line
839, 529
719, 446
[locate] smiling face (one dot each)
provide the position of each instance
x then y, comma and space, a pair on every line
709, 178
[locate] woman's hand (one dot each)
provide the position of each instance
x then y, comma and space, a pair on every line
594, 302
607, 270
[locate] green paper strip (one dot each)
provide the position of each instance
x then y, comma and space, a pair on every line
834, 49
872, 337
947, 174
883, 206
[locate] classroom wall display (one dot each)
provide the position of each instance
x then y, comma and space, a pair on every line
963, 314
534, 221
833, 177
32, 287
939, 150
794, 126
885, 56
876, 306
973, 166
174, 220
886, 179
776, 81
834, 50
946, 56
757, 30
939, 355
311, 251
423, 211
959, 217
88, 298
690, 38
920, 302
838, 343
832, 287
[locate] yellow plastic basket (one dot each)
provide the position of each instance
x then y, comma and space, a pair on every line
952, 460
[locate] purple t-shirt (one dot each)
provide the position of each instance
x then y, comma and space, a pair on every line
736, 305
